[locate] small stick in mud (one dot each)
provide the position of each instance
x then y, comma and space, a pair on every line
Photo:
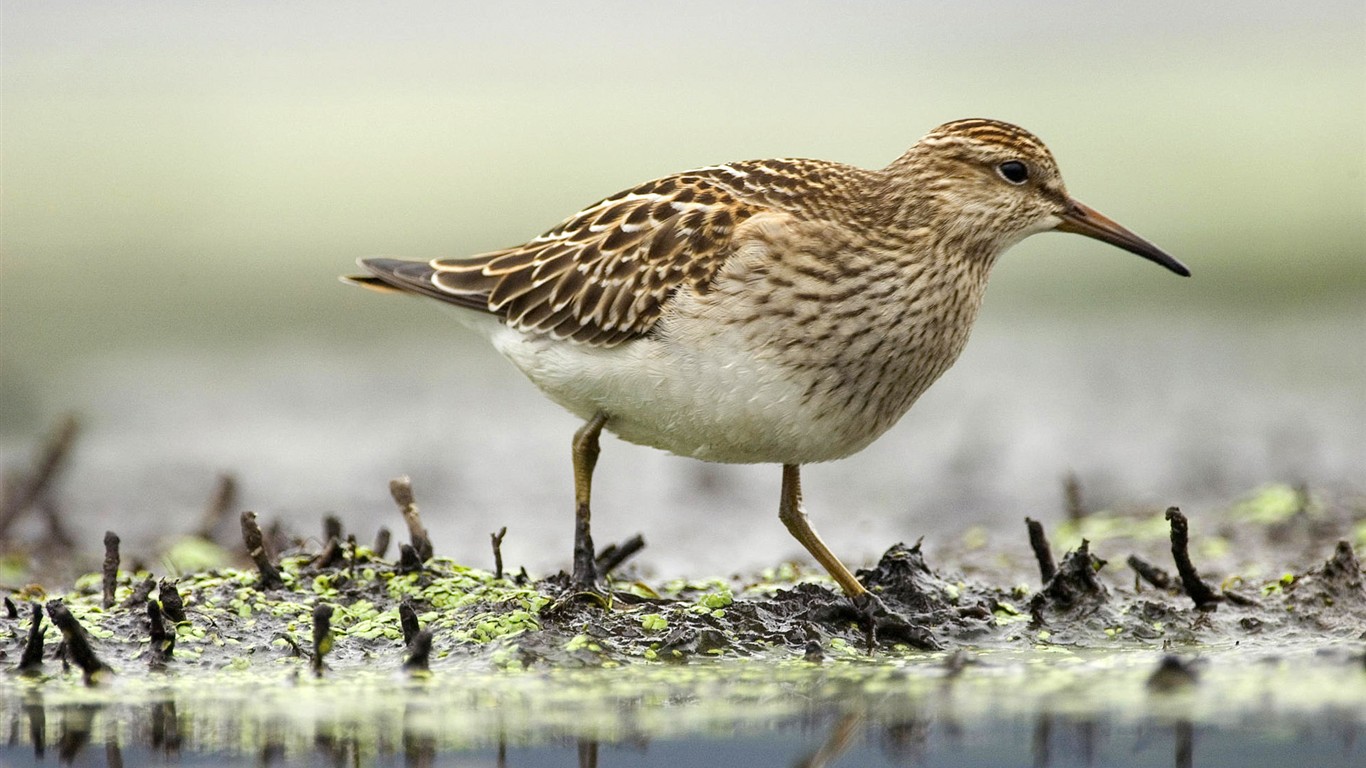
322, 636
256, 547
1038, 541
1150, 573
419, 652
1199, 591
352, 554
408, 559
1071, 493
171, 603
327, 558
111, 567
332, 528
163, 642
31, 661
497, 539
407, 620
613, 555
224, 498
11, 610
401, 488
140, 593
77, 643
51, 457
332, 549
381, 547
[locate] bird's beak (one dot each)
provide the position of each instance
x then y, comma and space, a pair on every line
1085, 220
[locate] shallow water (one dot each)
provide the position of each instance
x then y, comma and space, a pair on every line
1055, 708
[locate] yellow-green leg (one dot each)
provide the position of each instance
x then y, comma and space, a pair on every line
792, 514
585, 459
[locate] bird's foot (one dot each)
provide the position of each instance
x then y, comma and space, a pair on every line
881, 623
585, 576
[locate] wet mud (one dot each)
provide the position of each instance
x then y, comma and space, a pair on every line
1156, 600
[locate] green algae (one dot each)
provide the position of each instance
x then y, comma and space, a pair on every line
531, 662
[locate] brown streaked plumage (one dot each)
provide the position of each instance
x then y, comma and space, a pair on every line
784, 311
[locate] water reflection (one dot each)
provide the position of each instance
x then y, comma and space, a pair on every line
819, 737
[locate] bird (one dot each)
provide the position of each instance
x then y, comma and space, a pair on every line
783, 311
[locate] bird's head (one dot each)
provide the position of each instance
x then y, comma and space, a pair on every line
992, 184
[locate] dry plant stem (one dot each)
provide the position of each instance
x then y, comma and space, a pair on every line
171, 604
73, 636
331, 553
111, 567
224, 498
408, 559
1150, 573
322, 636
139, 594
407, 620
163, 642
497, 540
1204, 597
256, 548
51, 458
1038, 541
11, 610
401, 488
32, 658
420, 651
382, 538
614, 555
352, 553
1071, 492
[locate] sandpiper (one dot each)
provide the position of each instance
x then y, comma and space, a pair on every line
768, 311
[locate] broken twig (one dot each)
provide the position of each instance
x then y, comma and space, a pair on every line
171, 603
111, 567
419, 653
322, 636
497, 539
1038, 541
401, 488
256, 548
76, 641
1198, 590
1150, 573
613, 555
32, 659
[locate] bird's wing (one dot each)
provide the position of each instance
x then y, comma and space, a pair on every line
604, 275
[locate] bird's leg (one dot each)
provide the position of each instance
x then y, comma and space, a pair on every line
792, 514
585, 459
875, 616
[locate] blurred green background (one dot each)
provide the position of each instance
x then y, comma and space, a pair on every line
184, 181
197, 173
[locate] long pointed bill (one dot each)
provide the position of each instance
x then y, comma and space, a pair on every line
1085, 220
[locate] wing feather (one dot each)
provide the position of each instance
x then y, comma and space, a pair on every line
604, 275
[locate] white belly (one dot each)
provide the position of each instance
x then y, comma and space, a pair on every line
714, 401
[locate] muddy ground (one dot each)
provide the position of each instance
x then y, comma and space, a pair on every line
1274, 575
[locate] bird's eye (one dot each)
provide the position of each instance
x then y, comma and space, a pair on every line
1013, 171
